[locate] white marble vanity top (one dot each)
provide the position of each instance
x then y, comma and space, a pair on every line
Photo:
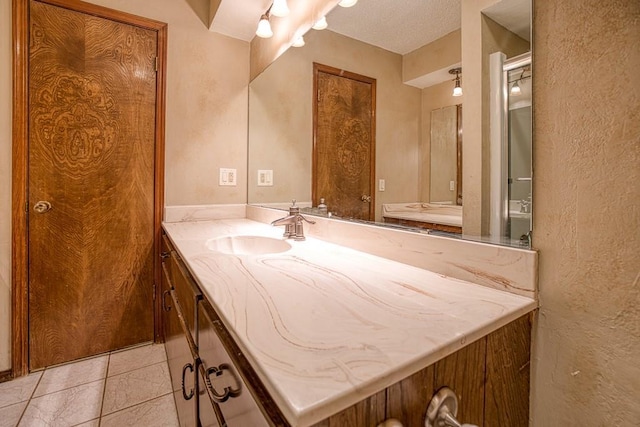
325, 326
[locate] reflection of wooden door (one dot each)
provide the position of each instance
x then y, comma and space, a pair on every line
92, 113
344, 142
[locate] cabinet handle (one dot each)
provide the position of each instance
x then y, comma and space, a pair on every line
443, 409
228, 391
164, 300
188, 366
164, 255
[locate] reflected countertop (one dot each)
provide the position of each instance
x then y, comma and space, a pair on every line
325, 326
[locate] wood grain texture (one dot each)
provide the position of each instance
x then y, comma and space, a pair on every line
92, 111
508, 374
344, 142
20, 135
464, 373
423, 224
367, 412
407, 400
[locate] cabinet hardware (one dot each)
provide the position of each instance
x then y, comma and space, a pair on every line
165, 255
188, 366
164, 300
228, 391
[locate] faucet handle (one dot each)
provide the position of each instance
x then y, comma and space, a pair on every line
308, 220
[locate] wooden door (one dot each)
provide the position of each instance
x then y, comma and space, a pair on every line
92, 126
344, 142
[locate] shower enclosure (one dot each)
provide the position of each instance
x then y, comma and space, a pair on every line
511, 171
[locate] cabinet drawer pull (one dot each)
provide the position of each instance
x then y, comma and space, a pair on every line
228, 391
165, 307
188, 366
164, 255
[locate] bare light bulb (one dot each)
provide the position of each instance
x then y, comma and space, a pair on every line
321, 24
515, 89
280, 8
347, 3
299, 42
264, 27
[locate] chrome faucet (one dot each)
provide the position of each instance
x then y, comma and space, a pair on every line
293, 223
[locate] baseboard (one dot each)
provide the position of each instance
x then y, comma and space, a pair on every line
5, 376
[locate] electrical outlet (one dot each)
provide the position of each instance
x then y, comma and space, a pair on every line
228, 177
265, 178
381, 185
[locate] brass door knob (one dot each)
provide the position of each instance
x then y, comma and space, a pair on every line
42, 207
365, 198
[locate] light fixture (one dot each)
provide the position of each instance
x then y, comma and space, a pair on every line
347, 3
515, 89
321, 24
457, 90
299, 42
264, 27
279, 8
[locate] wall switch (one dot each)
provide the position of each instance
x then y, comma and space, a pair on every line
265, 178
381, 185
452, 185
228, 176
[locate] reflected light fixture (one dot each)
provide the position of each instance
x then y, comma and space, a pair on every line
515, 89
321, 24
347, 3
264, 27
457, 90
279, 8
299, 42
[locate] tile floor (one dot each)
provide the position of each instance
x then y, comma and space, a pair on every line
124, 388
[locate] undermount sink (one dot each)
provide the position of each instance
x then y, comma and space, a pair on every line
248, 245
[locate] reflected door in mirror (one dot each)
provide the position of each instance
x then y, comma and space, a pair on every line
344, 142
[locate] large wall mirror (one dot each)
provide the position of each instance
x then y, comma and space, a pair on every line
419, 139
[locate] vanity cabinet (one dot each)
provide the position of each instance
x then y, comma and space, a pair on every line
179, 345
209, 388
490, 376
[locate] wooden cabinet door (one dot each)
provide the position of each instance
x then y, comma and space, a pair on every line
180, 355
92, 118
238, 409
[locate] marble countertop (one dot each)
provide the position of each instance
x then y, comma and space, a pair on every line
325, 326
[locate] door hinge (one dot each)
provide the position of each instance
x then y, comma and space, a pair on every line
26, 207
156, 64
154, 291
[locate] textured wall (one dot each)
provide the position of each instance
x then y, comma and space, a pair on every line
587, 212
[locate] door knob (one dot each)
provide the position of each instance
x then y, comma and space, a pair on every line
42, 207
366, 198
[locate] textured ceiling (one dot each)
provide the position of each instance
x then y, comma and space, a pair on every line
399, 26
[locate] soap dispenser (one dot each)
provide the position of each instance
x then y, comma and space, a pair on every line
322, 207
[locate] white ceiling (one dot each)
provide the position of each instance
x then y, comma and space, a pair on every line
399, 26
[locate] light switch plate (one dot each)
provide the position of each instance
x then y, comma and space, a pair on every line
265, 178
228, 177
452, 185
381, 185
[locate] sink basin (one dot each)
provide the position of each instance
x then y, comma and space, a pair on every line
248, 245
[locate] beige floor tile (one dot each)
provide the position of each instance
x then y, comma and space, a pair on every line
18, 390
65, 408
159, 412
133, 387
135, 358
10, 415
72, 374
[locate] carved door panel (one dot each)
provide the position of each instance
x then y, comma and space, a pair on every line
344, 142
92, 98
